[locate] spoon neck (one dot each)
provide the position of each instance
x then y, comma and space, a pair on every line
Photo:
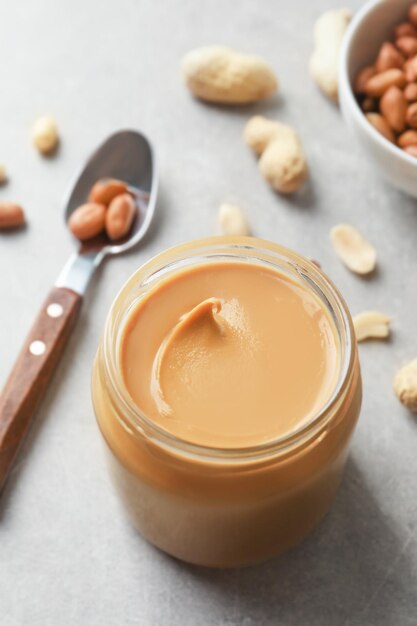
77, 272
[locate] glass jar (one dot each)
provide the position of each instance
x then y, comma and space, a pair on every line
225, 507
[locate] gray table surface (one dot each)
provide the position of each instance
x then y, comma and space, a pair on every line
67, 554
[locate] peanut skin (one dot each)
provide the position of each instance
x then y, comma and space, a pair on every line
120, 216
405, 29
87, 220
362, 78
412, 150
411, 115
393, 107
11, 215
412, 13
388, 58
106, 189
377, 85
407, 45
409, 138
410, 92
381, 125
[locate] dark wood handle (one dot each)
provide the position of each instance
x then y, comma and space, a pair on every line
33, 370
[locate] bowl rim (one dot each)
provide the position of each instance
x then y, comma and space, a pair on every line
346, 86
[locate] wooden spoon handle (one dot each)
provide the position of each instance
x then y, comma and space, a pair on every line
33, 370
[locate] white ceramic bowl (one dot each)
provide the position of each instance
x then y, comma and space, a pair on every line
370, 27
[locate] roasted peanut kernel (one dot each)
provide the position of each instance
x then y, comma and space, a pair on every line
381, 125
407, 45
362, 78
388, 58
368, 105
410, 92
11, 215
410, 69
409, 138
105, 189
393, 107
411, 115
377, 85
120, 215
405, 29
87, 220
411, 150
412, 13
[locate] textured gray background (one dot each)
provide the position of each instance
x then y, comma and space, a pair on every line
67, 554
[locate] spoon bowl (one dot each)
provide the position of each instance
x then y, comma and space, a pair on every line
128, 156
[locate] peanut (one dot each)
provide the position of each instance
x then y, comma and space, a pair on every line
282, 161
388, 58
410, 69
353, 249
410, 92
377, 85
405, 385
405, 29
371, 325
87, 220
409, 138
11, 215
324, 62
45, 134
411, 150
368, 105
411, 115
381, 125
393, 107
120, 216
218, 74
362, 78
412, 13
390, 87
232, 221
3, 174
407, 45
105, 189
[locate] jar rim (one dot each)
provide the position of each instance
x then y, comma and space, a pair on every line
135, 420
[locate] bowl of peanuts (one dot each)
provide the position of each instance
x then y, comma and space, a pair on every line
378, 87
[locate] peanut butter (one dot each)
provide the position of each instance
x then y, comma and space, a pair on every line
229, 355
227, 387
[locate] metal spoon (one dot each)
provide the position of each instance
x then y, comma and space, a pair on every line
126, 155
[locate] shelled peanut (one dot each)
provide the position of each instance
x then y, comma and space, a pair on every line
11, 215
387, 89
110, 208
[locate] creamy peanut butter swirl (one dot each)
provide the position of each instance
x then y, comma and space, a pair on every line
229, 354
209, 327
